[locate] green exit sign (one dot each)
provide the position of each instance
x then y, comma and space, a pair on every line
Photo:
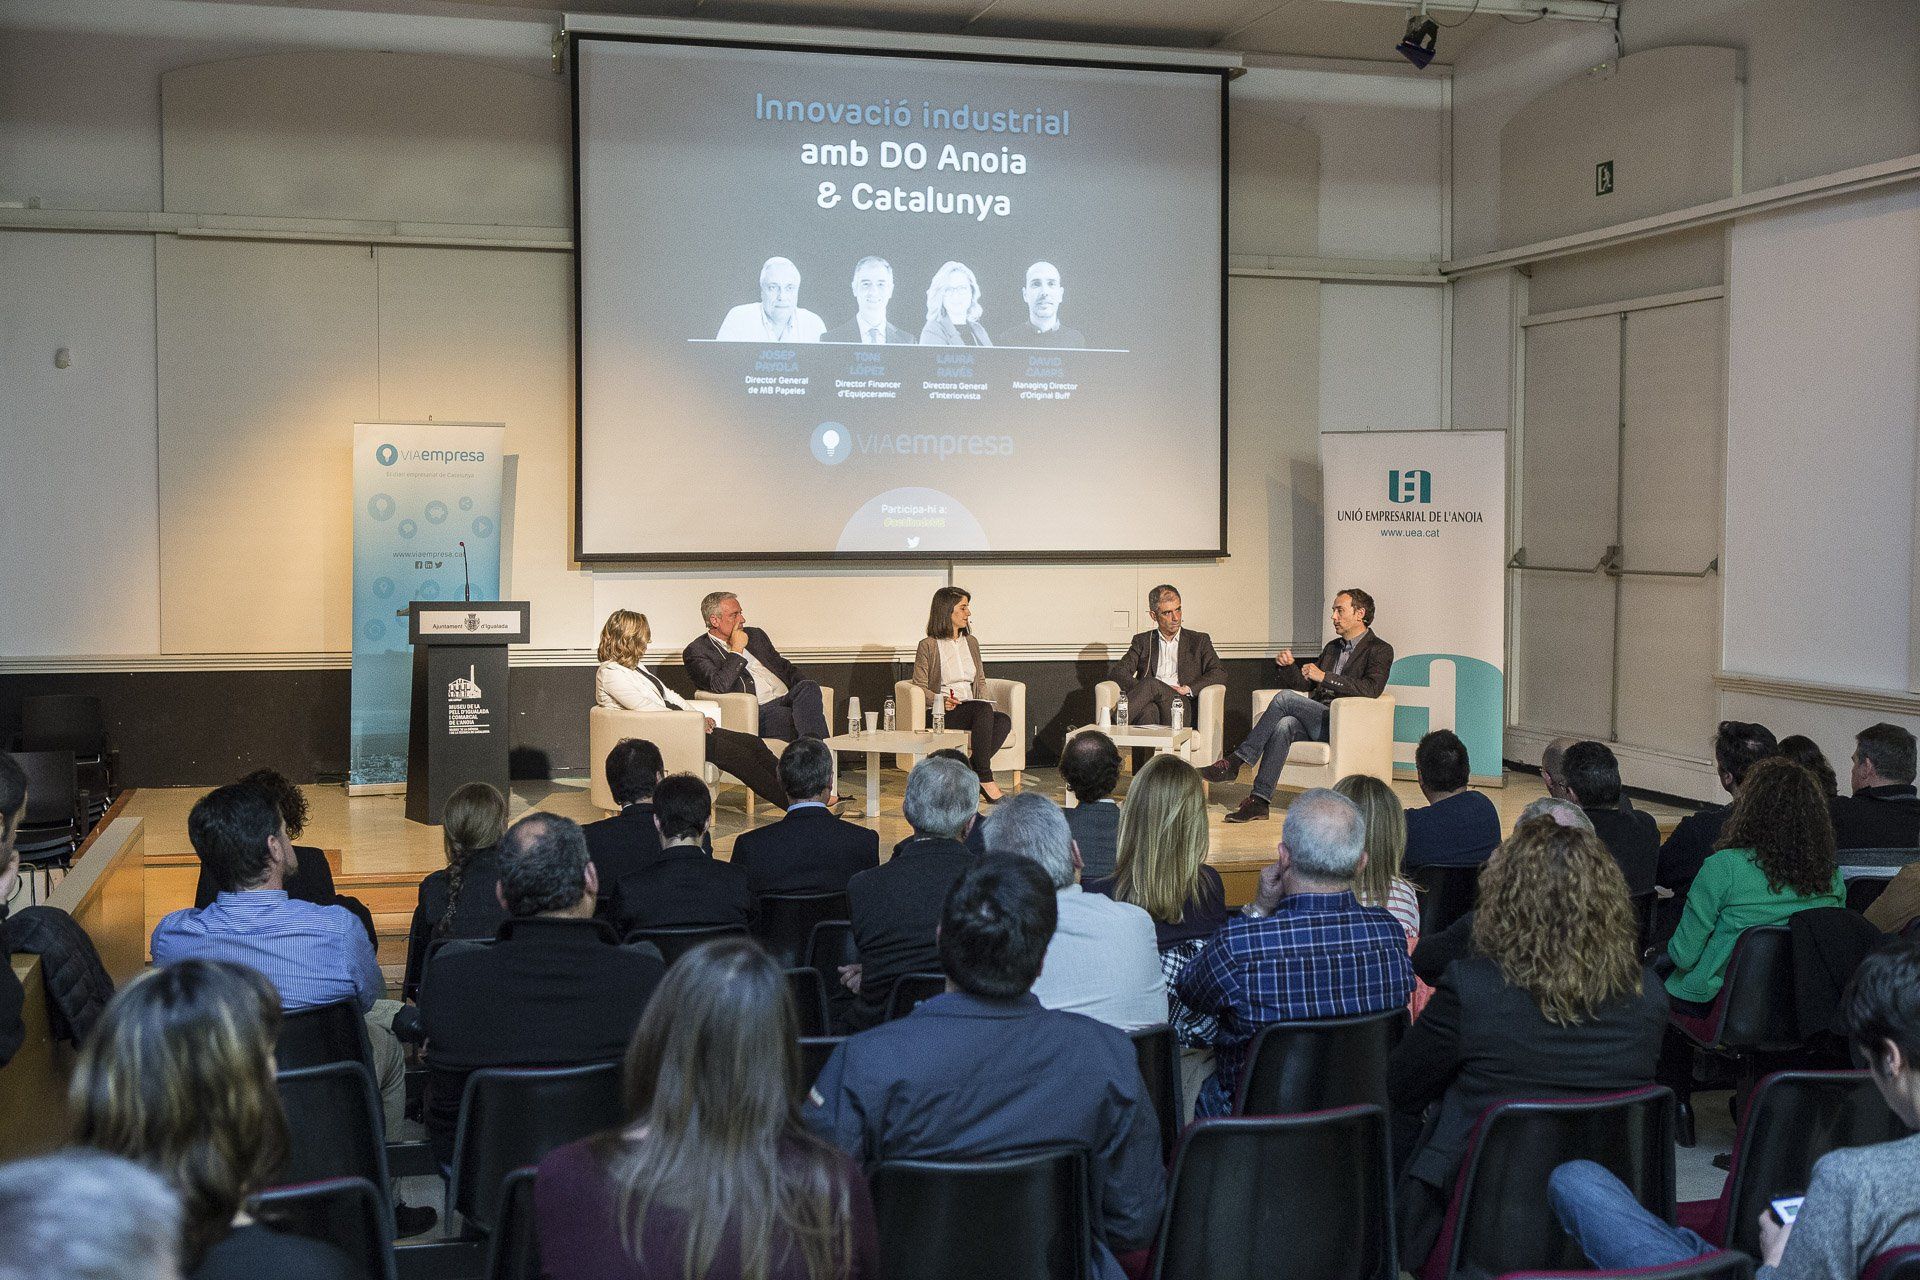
1603, 178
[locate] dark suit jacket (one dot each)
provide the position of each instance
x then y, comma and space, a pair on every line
683, 886
1197, 664
808, 851
549, 993
477, 914
1480, 1041
896, 910
1365, 675
1690, 845
850, 332
717, 669
1877, 818
1096, 829
622, 845
1634, 841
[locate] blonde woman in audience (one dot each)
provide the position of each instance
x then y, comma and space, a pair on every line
1380, 883
461, 899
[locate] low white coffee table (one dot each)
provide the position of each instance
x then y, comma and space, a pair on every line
900, 742
1163, 739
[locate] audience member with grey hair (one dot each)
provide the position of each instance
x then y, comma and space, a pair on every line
85, 1215
943, 798
1104, 959
1553, 768
1563, 812
1305, 948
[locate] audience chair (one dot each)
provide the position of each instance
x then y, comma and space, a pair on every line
814, 1052
809, 1001
513, 1116
680, 735
1722, 1264
931, 1214
50, 827
326, 1033
1010, 696
349, 1213
1500, 1219
1446, 894
1158, 1053
72, 722
1279, 1196
1750, 1021
1359, 740
911, 990
1864, 889
1207, 721
1895, 1264
676, 940
333, 1125
785, 922
1295, 1067
514, 1251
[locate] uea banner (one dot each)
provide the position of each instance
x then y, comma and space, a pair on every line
419, 490
1418, 519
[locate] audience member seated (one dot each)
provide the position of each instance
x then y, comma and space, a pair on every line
1379, 883
1884, 810
1552, 1001
1775, 857
811, 850
13, 997
1103, 960
1304, 948
1459, 827
714, 1173
733, 657
463, 900
629, 840
686, 885
1738, 745
312, 878
85, 1215
985, 1071
896, 906
1090, 765
976, 837
1162, 870
1553, 767
1593, 780
1861, 1202
1806, 753
178, 1077
313, 955
556, 989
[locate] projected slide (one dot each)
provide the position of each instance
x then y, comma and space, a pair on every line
836, 304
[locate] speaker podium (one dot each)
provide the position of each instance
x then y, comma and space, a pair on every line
459, 728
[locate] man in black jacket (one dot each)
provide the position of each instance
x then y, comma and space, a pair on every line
1737, 746
1355, 664
13, 997
1167, 662
1884, 810
1592, 774
630, 840
733, 657
685, 886
555, 990
810, 850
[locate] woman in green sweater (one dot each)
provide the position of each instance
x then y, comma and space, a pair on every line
1774, 857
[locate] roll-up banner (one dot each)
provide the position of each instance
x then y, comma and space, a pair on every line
419, 491
1418, 519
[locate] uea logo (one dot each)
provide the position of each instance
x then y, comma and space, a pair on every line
1409, 486
386, 455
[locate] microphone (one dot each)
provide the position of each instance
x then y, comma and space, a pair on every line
467, 595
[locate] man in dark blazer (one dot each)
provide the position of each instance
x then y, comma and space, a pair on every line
1884, 810
1737, 746
1355, 664
1592, 774
810, 850
629, 840
869, 326
685, 885
554, 990
1166, 662
733, 657
896, 906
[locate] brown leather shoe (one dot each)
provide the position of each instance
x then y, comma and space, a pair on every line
1225, 769
1252, 809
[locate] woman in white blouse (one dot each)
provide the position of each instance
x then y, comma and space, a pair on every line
622, 681
947, 665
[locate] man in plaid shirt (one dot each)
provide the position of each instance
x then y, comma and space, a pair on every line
1304, 948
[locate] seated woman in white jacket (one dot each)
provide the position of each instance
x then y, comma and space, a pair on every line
622, 681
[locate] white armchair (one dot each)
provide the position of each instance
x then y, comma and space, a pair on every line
1205, 720
680, 735
1010, 696
1361, 741
741, 711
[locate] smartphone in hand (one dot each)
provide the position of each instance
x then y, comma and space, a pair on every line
1786, 1209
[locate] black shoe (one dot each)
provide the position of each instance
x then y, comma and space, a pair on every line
1252, 809
1225, 769
1724, 1161
412, 1220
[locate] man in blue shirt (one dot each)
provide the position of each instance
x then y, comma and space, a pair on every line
1459, 827
1303, 949
984, 1072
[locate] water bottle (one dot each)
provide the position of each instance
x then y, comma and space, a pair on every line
1120, 714
1179, 714
939, 713
888, 719
853, 716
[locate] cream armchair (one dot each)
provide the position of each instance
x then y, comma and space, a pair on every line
680, 735
741, 711
1205, 720
1361, 741
1010, 696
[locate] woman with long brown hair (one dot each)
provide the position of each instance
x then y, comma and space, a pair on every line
1551, 1001
947, 667
459, 901
714, 1176
178, 1076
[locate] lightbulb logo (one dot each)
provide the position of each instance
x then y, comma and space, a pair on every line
387, 455
831, 443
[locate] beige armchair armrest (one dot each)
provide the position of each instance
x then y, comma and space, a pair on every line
680, 735
738, 711
1361, 734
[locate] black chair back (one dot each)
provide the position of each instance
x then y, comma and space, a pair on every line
513, 1116
1721, 1264
829, 946
1255, 1198
333, 1125
347, 1213
911, 990
514, 1251
334, 1032
50, 827
786, 920
1158, 1053
676, 940
1792, 1119
1757, 994
64, 722
814, 1052
1865, 890
1895, 1264
931, 1215
1501, 1219
1316, 1066
809, 1001
1645, 907
1446, 894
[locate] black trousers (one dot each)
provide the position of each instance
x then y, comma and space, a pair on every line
1151, 702
989, 728
748, 759
797, 713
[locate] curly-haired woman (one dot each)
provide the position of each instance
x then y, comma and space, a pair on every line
1774, 857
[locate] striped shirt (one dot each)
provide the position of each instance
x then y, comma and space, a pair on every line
313, 955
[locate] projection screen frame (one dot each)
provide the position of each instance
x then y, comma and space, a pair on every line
1225, 74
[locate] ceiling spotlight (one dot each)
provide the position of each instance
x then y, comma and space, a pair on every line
1416, 46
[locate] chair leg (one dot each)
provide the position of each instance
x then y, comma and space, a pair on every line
750, 799
1016, 779
1683, 1121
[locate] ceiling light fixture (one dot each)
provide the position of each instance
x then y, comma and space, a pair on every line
1417, 44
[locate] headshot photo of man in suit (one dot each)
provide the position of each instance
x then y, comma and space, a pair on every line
872, 290
1167, 662
778, 316
1043, 293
